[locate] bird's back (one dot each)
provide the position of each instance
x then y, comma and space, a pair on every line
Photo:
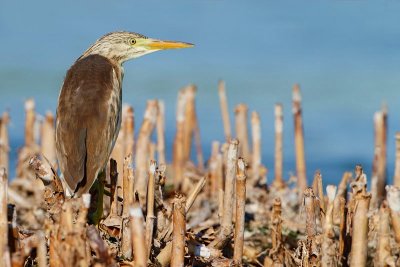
88, 120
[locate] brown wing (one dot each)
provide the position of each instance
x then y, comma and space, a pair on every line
87, 120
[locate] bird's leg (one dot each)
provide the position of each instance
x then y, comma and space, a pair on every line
96, 205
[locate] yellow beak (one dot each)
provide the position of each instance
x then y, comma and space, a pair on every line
160, 45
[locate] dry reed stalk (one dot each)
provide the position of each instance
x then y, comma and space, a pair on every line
342, 227
256, 137
129, 127
126, 239
396, 178
226, 221
393, 199
142, 153
299, 139
30, 118
190, 120
118, 153
199, 149
241, 115
224, 110
329, 251
4, 249
240, 212
309, 205
359, 244
319, 191
48, 139
278, 181
150, 218
189, 203
378, 179
214, 168
138, 236
276, 251
178, 148
164, 257
4, 141
42, 250
341, 193
161, 133
179, 233
383, 255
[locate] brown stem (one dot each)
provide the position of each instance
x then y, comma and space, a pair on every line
142, 153
179, 222
129, 127
256, 137
240, 212
241, 111
150, 207
161, 133
278, 182
4, 249
224, 110
48, 141
138, 236
393, 199
359, 244
4, 141
328, 243
396, 178
178, 147
383, 255
30, 118
299, 139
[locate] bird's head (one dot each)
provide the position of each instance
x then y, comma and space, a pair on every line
122, 46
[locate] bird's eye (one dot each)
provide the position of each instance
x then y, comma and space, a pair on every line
132, 41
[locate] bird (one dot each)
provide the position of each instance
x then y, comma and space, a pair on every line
88, 116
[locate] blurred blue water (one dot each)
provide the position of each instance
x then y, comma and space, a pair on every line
345, 55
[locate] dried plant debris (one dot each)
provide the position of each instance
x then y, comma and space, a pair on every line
190, 213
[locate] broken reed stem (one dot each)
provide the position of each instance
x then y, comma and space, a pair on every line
396, 178
240, 212
48, 139
178, 147
127, 184
129, 127
114, 188
329, 250
256, 137
378, 179
224, 110
276, 233
309, 204
30, 118
161, 133
138, 236
299, 139
150, 207
341, 193
383, 255
41, 250
393, 199
190, 120
215, 169
199, 149
359, 244
241, 111
231, 170
4, 249
319, 191
4, 141
142, 144
278, 181
342, 227
179, 222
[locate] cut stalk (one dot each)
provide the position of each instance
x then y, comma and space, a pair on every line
256, 136
150, 207
241, 111
278, 181
224, 110
161, 133
240, 212
396, 179
4, 141
299, 139
179, 221
138, 236
393, 199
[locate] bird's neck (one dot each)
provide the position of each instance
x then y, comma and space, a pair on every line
105, 50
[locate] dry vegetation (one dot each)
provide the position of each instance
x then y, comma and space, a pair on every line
188, 213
